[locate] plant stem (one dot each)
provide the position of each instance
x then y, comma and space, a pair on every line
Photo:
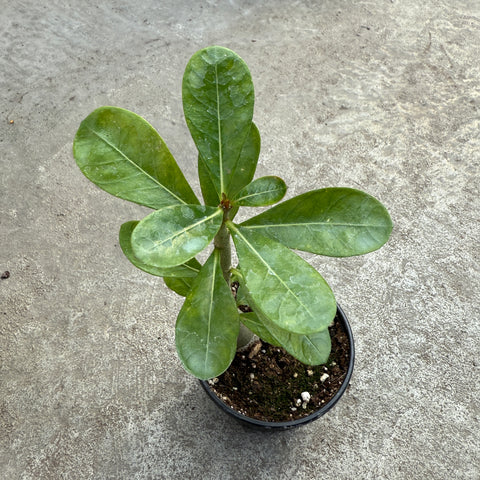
222, 244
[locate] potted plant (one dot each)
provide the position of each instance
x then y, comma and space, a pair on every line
272, 293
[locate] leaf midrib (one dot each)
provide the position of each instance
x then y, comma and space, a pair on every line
331, 224
257, 194
186, 229
210, 309
219, 127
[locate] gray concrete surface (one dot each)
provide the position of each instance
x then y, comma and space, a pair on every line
379, 95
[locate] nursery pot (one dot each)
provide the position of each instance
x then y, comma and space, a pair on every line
271, 425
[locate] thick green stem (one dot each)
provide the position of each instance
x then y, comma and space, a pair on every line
245, 337
222, 244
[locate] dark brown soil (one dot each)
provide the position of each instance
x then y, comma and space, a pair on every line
266, 383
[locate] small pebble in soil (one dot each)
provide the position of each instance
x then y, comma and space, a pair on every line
324, 377
309, 373
305, 396
255, 350
252, 376
295, 375
298, 402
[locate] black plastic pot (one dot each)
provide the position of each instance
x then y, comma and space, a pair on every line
263, 425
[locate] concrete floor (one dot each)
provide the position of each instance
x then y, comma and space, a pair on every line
383, 96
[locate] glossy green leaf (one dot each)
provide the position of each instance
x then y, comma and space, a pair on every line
337, 222
242, 175
261, 192
313, 349
172, 235
123, 154
253, 323
209, 193
218, 100
180, 285
283, 287
244, 170
188, 269
208, 323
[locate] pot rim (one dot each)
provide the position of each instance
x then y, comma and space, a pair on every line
262, 424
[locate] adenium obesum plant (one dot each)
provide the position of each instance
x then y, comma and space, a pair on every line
292, 304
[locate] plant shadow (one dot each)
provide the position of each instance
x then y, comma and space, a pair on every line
194, 438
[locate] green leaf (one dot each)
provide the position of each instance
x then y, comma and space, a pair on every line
253, 323
218, 103
244, 170
336, 222
123, 154
241, 176
188, 269
180, 285
313, 349
172, 235
210, 195
261, 192
282, 286
208, 323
